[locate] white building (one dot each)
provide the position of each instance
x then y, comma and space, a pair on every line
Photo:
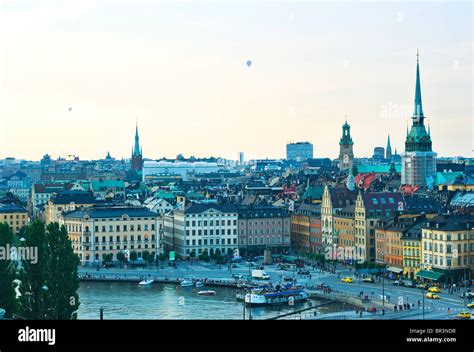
181, 168
202, 227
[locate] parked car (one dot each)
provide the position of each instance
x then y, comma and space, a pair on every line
432, 295
303, 272
422, 286
368, 280
434, 289
464, 315
346, 279
398, 283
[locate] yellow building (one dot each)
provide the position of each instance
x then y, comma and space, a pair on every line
96, 231
67, 201
448, 249
14, 215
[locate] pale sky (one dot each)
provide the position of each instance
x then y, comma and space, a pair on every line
179, 68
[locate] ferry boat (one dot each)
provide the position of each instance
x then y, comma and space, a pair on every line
146, 282
276, 297
186, 283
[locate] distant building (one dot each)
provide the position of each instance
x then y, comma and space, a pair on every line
14, 216
379, 153
346, 153
299, 151
241, 158
66, 201
151, 169
418, 160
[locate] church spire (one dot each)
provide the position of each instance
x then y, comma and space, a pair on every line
136, 150
418, 113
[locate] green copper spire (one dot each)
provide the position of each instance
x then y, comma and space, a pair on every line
418, 113
388, 142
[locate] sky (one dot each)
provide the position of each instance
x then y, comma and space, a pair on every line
76, 76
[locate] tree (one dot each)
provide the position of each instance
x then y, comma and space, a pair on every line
7, 273
146, 256
192, 254
121, 258
63, 281
133, 256
204, 256
151, 257
34, 300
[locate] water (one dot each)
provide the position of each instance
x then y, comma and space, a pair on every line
123, 300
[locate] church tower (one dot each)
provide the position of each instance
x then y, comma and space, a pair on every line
346, 155
388, 150
418, 160
137, 160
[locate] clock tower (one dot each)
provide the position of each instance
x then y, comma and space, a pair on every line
346, 155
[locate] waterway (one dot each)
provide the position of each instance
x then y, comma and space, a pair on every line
123, 300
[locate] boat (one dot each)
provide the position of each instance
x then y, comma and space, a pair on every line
146, 282
199, 284
207, 293
257, 297
186, 283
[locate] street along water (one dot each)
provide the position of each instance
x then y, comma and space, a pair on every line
126, 300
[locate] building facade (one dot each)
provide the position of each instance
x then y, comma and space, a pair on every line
448, 247
299, 151
370, 208
202, 228
66, 201
14, 216
262, 227
98, 231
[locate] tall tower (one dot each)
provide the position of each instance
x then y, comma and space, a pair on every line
388, 150
346, 155
418, 160
137, 160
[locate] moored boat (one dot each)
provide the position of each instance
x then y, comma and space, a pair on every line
146, 282
186, 283
207, 293
199, 284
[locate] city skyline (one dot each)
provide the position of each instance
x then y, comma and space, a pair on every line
82, 92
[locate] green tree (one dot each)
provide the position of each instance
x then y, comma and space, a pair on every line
121, 258
151, 257
146, 256
34, 300
63, 281
133, 256
7, 273
192, 254
204, 256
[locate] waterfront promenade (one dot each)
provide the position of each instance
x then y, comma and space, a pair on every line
406, 302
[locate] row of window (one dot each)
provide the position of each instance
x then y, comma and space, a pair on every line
211, 232
211, 242
446, 237
117, 247
118, 228
262, 232
16, 216
121, 239
211, 222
